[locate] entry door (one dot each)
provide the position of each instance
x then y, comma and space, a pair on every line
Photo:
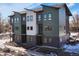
23, 38
39, 40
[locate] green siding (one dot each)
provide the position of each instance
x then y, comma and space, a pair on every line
54, 23
17, 24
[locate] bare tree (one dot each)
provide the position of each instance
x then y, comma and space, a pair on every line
75, 22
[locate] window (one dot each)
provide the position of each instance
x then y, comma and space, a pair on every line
27, 28
31, 18
12, 20
45, 16
23, 18
17, 19
48, 28
49, 16
27, 18
45, 40
39, 17
29, 38
31, 28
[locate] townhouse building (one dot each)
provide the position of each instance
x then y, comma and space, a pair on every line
47, 25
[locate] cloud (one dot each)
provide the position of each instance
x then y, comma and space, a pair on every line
71, 4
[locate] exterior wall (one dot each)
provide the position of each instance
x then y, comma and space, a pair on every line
51, 41
17, 24
31, 23
63, 25
54, 23
62, 22
31, 40
67, 24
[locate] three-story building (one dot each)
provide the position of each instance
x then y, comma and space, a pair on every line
48, 25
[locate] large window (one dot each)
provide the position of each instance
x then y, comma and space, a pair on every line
49, 16
31, 18
39, 17
48, 28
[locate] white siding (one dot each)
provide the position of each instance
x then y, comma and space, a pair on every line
62, 22
31, 23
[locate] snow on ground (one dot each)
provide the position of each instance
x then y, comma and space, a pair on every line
71, 48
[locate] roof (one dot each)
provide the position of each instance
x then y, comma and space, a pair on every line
53, 5
21, 12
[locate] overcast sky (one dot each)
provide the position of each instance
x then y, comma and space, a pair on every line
7, 8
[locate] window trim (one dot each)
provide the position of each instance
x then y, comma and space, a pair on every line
39, 17
23, 18
27, 18
31, 17
31, 27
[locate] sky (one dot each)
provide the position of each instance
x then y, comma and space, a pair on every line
7, 8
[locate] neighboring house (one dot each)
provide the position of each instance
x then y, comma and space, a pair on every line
18, 21
48, 25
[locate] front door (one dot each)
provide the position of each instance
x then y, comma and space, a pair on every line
39, 40
23, 38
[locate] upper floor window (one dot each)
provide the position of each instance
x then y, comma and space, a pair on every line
28, 28
12, 20
49, 16
27, 18
31, 18
39, 17
45, 17
23, 18
31, 28
17, 19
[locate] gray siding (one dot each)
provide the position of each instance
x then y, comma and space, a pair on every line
17, 24
54, 23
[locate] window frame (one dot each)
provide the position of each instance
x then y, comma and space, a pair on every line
49, 16
39, 17
27, 18
27, 27
49, 28
31, 27
23, 18
31, 17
